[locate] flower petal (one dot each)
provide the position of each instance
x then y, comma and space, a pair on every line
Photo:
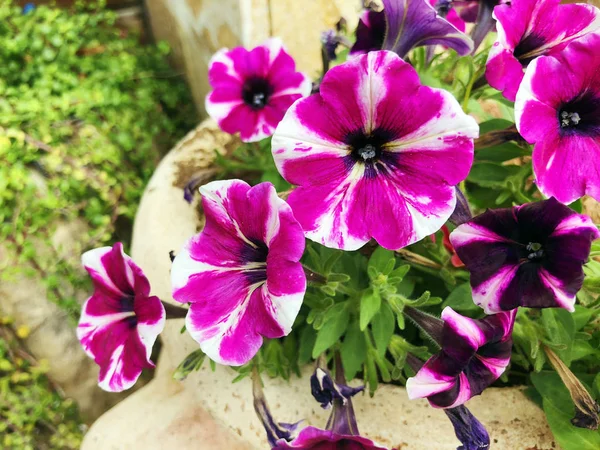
413, 23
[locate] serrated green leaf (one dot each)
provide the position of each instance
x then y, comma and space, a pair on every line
334, 326
369, 306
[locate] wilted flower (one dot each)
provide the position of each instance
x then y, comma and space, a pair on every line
341, 432
242, 273
253, 89
528, 29
562, 119
529, 255
374, 155
474, 354
406, 24
325, 390
469, 431
120, 322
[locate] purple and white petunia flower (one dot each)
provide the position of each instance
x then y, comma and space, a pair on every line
474, 354
241, 274
562, 119
404, 25
252, 89
120, 322
374, 155
530, 255
528, 29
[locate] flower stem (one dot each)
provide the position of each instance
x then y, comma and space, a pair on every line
174, 311
417, 259
314, 277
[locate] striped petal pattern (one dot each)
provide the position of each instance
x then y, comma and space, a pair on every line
120, 322
374, 155
474, 354
241, 274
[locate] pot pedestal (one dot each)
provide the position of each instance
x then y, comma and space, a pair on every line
207, 412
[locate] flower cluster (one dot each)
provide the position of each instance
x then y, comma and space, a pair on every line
373, 154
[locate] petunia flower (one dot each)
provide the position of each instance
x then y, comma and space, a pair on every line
252, 89
528, 29
370, 32
474, 354
241, 274
374, 155
341, 432
562, 119
404, 25
529, 255
120, 322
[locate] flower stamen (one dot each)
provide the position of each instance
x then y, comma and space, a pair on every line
568, 119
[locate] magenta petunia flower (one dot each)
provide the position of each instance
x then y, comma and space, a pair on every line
374, 155
474, 354
530, 255
120, 322
242, 273
528, 29
562, 119
253, 89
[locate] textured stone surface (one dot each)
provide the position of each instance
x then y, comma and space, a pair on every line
198, 28
165, 413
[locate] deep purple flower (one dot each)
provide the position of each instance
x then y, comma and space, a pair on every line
253, 89
474, 354
562, 119
120, 322
242, 273
404, 25
370, 32
528, 29
529, 255
374, 155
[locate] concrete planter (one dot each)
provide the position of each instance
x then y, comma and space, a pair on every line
207, 412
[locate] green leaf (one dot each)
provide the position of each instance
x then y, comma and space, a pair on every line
569, 436
354, 350
307, 342
500, 153
369, 306
461, 299
382, 261
334, 326
581, 316
192, 362
493, 125
560, 329
489, 174
382, 327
